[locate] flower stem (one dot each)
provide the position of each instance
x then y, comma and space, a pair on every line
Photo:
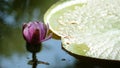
34, 56
34, 59
34, 66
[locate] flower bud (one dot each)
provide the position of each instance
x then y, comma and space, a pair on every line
35, 32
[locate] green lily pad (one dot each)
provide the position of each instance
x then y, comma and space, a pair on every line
89, 28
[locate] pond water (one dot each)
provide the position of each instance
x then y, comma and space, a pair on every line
13, 53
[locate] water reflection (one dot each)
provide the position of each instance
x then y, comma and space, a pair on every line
11, 41
15, 12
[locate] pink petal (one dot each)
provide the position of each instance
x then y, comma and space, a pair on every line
24, 25
26, 34
42, 30
45, 31
49, 37
31, 29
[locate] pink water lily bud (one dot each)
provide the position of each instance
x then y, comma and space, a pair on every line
35, 32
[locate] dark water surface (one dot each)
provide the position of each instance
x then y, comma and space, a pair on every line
13, 53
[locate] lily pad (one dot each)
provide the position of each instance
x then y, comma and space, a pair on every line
88, 28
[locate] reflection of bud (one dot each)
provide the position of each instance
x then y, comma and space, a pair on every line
35, 32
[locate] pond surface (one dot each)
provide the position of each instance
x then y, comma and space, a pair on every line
13, 53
